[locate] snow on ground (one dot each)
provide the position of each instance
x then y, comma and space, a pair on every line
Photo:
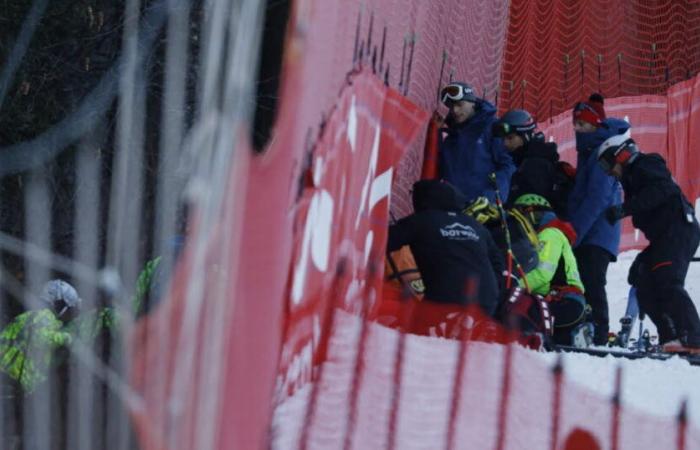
656, 387
653, 388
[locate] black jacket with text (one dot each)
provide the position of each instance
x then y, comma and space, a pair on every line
450, 248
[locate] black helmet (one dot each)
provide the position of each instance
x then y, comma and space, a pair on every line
515, 121
457, 91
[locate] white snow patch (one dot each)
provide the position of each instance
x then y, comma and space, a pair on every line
653, 388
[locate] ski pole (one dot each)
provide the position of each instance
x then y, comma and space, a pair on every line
510, 255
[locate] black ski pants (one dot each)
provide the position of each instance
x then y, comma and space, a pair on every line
593, 262
568, 314
659, 273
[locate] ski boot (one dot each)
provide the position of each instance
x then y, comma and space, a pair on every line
623, 337
582, 335
645, 343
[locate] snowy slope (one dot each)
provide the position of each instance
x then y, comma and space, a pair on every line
656, 387
651, 391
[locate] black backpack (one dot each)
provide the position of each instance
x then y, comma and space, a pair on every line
563, 183
523, 238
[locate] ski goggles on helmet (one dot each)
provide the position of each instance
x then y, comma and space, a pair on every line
607, 162
620, 154
502, 129
456, 92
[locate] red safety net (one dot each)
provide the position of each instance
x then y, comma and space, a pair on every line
413, 46
306, 247
432, 375
664, 124
559, 52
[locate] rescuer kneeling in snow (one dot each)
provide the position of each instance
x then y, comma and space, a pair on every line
453, 251
556, 277
661, 211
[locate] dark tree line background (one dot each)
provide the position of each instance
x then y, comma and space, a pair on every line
74, 45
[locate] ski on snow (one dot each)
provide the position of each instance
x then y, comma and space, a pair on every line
693, 359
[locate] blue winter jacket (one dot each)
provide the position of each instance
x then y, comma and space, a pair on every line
469, 154
594, 191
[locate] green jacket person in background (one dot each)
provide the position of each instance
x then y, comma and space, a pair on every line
28, 343
556, 276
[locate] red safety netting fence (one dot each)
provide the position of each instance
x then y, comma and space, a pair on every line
413, 46
405, 391
667, 124
348, 381
559, 52
310, 235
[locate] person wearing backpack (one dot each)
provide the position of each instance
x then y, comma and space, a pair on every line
593, 192
661, 211
521, 236
556, 277
538, 169
468, 153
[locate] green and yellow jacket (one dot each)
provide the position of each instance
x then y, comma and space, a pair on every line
27, 346
557, 266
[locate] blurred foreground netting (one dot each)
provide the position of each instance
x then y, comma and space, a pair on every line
114, 128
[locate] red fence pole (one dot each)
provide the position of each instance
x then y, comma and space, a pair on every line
359, 356
405, 320
615, 400
682, 423
327, 325
557, 376
471, 290
505, 394
457, 390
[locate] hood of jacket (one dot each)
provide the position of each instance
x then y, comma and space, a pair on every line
589, 142
536, 148
564, 227
436, 194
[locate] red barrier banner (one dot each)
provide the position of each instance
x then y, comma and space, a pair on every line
683, 133
343, 216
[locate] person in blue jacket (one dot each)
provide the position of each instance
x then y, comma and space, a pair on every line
594, 191
468, 152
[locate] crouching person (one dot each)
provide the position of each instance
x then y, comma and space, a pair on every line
661, 211
556, 276
29, 343
456, 256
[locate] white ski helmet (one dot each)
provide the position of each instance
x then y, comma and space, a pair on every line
60, 296
618, 149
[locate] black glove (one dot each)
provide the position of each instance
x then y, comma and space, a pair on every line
614, 213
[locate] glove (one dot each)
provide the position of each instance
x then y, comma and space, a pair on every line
614, 213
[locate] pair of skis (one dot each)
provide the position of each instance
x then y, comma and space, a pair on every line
628, 354
624, 345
